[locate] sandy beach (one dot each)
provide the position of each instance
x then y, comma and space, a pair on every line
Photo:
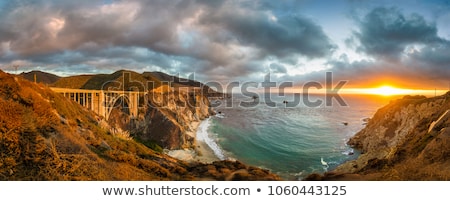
202, 152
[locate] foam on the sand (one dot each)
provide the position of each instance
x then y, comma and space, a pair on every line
206, 150
203, 136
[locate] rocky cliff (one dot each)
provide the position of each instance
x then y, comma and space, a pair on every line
408, 139
169, 115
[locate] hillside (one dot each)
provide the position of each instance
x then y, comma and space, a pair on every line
119, 80
72, 82
41, 77
178, 82
408, 139
129, 80
44, 136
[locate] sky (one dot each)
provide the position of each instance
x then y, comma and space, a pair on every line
366, 43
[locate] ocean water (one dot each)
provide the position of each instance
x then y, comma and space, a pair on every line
290, 140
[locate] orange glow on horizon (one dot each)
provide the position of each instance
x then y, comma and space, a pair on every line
381, 90
387, 90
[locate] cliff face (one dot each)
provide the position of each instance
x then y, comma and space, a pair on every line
169, 116
409, 139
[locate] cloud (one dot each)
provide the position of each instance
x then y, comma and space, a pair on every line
51, 27
232, 37
280, 36
403, 50
386, 32
424, 68
432, 60
222, 40
277, 68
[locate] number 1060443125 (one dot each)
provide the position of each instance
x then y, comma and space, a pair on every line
307, 190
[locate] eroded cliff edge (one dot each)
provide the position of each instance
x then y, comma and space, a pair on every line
169, 115
408, 139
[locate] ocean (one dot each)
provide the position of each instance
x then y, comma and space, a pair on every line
292, 140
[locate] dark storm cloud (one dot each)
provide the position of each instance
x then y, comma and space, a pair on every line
432, 60
435, 55
274, 35
386, 32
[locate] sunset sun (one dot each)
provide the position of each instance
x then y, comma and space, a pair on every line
388, 91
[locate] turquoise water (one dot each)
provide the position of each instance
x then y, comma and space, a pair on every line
289, 141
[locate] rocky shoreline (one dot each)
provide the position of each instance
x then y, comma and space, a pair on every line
408, 139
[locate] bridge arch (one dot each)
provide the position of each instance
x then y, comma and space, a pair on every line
112, 104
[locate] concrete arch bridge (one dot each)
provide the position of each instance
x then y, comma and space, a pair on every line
103, 102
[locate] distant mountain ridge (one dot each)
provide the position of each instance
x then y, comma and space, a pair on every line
72, 82
119, 80
41, 77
